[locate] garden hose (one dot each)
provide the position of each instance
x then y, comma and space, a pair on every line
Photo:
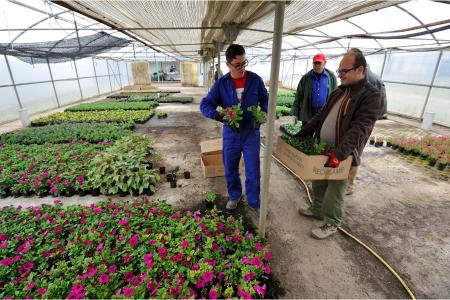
402, 282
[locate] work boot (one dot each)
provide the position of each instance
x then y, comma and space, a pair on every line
307, 212
253, 214
232, 204
324, 231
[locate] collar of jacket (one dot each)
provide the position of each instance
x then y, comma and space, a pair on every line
250, 74
354, 87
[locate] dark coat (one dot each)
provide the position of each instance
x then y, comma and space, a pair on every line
360, 109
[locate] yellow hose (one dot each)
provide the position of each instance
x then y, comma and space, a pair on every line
402, 282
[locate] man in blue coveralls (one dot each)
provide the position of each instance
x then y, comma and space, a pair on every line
247, 89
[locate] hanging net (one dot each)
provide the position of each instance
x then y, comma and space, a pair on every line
64, 50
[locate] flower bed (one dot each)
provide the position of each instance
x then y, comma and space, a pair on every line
113, 106
138, 116
149, 95
180, 99
66, 132
58, 169
139, 249
123, 168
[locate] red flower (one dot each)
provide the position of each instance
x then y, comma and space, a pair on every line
134, 240
213, 294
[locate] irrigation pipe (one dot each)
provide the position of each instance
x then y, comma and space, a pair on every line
377, 256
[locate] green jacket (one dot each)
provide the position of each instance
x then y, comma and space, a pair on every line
301, 107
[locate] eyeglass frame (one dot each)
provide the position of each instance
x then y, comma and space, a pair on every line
240, 65
345, 71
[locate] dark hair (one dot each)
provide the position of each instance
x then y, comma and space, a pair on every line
234, 50
360, 60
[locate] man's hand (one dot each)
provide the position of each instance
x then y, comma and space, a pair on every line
220, 117
332, 161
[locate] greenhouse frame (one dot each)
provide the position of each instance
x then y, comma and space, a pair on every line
128, 171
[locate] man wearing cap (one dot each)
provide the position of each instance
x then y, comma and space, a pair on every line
313, 90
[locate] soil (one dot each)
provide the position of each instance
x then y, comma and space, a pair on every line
400, 208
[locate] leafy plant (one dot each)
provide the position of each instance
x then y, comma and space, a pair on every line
308, 145
258, 115
161, 114
180, 99
123, 167
211, 196
291, 128
233, 116
282, 111
113, 106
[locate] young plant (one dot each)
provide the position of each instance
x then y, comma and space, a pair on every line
161, 114
211, 196
259, 117
233, 116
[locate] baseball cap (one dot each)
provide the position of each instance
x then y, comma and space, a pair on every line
319, 57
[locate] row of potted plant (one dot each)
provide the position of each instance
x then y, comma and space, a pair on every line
66, 132
56, 169
113, 106
126, 167
153, 95
179, 99
130, 249
283, 111
308, 145
435, 149
137, 116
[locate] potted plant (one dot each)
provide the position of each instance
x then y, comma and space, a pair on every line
187, 174
162, 170
259, 116
443, 161
210, 199
161, 114
233, 117
173, 183
372, 140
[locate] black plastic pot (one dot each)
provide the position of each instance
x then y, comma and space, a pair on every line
209, 204
123, 194
95, 192
388, 144
149, 165
423, 156
372, 142
441, 166
135, 193
82, 193
162, 170
431, 162
187, 174
395, 147
169, 177
401, 149
173, 184
378, 144
148, 192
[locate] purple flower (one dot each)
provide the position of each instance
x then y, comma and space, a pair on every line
112, 269
208, 276
148, 258
249, 276
260, 290
104, 278
129, 276
128, 291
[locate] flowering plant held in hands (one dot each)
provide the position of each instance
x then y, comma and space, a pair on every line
233, 116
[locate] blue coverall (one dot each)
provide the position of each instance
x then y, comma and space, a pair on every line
246, 141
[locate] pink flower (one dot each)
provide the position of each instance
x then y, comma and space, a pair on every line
260, 290
31, 286
184, 244
3, 236
3, 244
162, 252
149, 265
129, 276
208, 276
112, 269
123, 222
97, 210
99, 247
134, 240
28, 265
148, 258
266, 256
58, 229
175, 216
128, 291
200, 283
259, 246
41, 291
91, 272
213, 294
249, 276
267, 270
178, 257
243, 294
104, 278
7, 262
126, 258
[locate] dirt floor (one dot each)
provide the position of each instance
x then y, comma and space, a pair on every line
400, 208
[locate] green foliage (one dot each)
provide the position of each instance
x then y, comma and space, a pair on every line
308, 145
285, 101
123, 167
291, 128
211, 196
180, 99
234, 115
285, 93
258, 115
138, 116
66, 132
140, 98
283, 111
161, 114
113, 106
128, 249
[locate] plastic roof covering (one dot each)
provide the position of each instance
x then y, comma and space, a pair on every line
319, 25
198, 23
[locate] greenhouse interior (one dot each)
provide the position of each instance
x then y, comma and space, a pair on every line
120, 160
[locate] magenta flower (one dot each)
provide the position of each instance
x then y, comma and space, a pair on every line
41, 291
260, 290
3, 236
178, 257
200, 283
58, 229
99, 247
123, 222
243, 294
184, 244
126, 258
104, 278
128, 292
149, 265
162, 252
129, 276
213, 294
134, 240
266, 256
28, 265
267, 270
208, 276
7, 262
91, 272
112, 269
3, 244
249, 276
148, 258
31, 286
259, 246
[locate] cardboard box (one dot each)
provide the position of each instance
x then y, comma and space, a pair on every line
211, 158
310, 167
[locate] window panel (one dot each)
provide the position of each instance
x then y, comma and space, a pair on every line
405, 99
100, 67
4, 73
9, 106
89, 87
64, 70
68, 91
443, 73
103, 83
24, 72
439, 102
85, 67
37, 97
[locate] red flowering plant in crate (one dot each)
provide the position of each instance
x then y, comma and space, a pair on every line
136, 249
233, 117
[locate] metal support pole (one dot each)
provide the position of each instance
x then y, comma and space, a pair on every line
53, 83
13, 82
274, 72
383, 65
78, 79
109, 76
432, 83
293, 71
95, 74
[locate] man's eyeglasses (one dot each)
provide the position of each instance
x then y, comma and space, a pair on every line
344, 71
240, 65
